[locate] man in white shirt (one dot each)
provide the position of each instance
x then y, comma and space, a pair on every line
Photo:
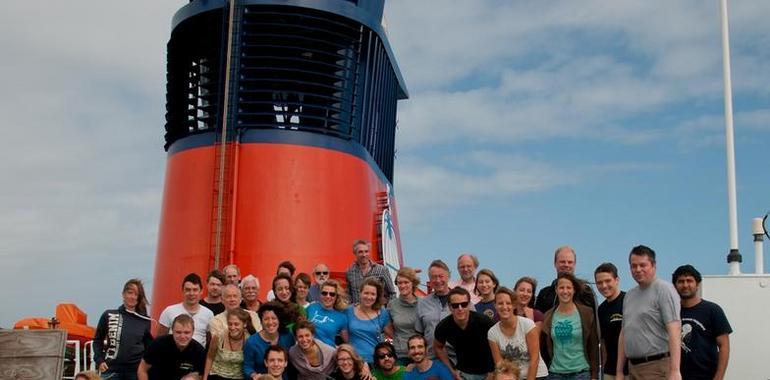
191, 287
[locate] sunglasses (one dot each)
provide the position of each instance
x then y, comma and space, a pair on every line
328, 294
459, 305
321, 273
385, 355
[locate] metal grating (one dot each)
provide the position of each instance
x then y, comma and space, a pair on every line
298, 69
193, 76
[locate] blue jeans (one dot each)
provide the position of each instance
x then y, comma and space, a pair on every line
585, 375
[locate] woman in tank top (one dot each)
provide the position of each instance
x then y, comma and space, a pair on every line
225, 357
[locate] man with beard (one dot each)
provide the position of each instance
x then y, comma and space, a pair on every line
320, 275
385, 363
424, 368
705, 329
213, 299
250, 293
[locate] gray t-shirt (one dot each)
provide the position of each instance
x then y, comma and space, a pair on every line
646, 312
404, 316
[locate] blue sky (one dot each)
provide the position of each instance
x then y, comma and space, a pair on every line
530, 125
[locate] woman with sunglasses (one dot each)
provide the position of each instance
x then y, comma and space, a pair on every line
328, 315
386, 366
403, 312
368, 320
571, 338
486, 286
312, 358
515, 338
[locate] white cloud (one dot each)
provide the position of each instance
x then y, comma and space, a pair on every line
512, 71
425, 188
82, 149
82, 104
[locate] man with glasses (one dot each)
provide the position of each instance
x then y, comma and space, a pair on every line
320, 275
467, 331
386, 366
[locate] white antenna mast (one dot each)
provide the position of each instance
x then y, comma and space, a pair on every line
734, 258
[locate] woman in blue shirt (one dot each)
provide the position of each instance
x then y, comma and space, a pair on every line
368, 320
328, 315
274, 332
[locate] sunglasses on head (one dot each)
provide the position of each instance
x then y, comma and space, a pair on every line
322, 273
459, 305
328, 294
385, 355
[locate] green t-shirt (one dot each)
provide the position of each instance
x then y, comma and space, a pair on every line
567, 336
396, 376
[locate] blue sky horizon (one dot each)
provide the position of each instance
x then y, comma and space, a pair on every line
530, 125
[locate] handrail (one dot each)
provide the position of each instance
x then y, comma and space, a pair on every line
75, 360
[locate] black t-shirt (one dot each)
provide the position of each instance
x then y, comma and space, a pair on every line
169, 363
610, 322
216, 308
470, 344
701, 325
547, 299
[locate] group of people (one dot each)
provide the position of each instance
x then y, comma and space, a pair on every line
382, 328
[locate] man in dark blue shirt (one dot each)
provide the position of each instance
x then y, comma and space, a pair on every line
705, 330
